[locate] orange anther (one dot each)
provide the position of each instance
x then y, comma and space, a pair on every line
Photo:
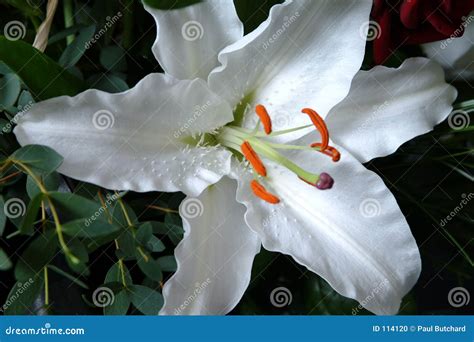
253, 158
329, 151
262, 193
264, 117
320, 125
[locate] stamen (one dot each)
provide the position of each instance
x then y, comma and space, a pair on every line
253, 158
320, 125
264, 117
329, 151
260, 191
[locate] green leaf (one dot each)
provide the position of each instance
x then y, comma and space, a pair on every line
22, 296
79, 250
27, 225
115, 275
10, 87
73, 207
110, 83
120, 305
5, 263
127, 245
50, 182
155, 245
119, 216
40, 159
56, 37
173, 231
5, 126
113, 58
25, 100
167, 263
147, 300
146, 238
74, 51
87, 228
43, 76
151, 268
38, 254
170, 4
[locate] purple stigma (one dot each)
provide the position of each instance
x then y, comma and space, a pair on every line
325, 181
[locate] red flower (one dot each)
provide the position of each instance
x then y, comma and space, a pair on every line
404, 22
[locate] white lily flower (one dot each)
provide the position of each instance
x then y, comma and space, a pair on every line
170, 133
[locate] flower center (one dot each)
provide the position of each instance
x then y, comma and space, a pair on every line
254, 144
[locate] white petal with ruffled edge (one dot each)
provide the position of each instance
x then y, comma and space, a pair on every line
215, 256
387, 107
353, 235
189, 39
304, 55
133, 140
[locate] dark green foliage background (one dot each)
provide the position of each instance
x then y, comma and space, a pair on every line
427, 175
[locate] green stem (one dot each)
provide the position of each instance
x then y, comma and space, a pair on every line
132, 227
57, 223
68, 18
117, 247
46, 286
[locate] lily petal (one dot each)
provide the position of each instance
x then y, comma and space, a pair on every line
455, 54
189, 39
353, 235
304, 55
387, 107
215, 256
134, 140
